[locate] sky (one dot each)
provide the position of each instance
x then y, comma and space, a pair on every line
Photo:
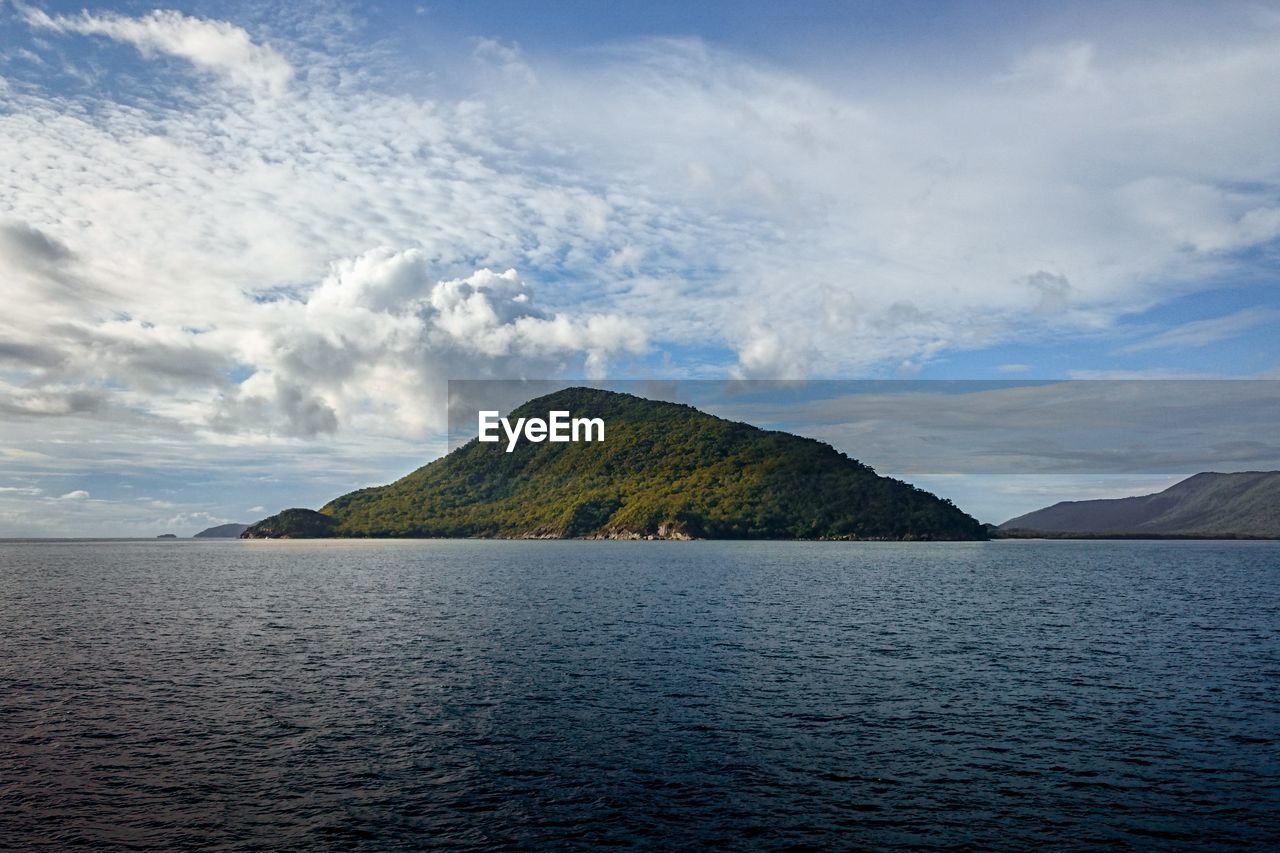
243, 247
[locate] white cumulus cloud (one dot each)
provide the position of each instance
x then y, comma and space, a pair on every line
314, 247
375, 342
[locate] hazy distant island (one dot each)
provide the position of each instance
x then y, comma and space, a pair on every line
222, 531
1207, 505
666, 471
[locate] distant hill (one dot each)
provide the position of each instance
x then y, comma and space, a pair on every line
296, 523
1208, 504
222, 531
665, 471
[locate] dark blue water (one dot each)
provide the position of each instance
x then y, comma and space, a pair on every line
397, 694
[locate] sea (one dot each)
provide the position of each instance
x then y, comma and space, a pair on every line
573, 694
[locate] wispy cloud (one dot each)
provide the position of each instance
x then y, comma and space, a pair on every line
1200, 333
218, 47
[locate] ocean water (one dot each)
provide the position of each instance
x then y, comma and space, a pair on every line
656, 694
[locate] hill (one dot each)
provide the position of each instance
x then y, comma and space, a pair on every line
664, 471
296, 523
222, 531
1209, 504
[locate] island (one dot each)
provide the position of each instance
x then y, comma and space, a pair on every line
222, 531
664, 471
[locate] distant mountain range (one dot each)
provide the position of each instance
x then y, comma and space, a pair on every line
222, 531
1246, 504
664, 471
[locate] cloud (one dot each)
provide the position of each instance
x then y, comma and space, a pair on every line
31, 246
187, 521
1203, 217
1200, 333
16, 454
50, 401
30, 354
851, 231
184, 285
77, 495
214, 46
39, 271
924, 221
370, 344
376, 340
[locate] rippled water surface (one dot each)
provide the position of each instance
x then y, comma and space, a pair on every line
381, 694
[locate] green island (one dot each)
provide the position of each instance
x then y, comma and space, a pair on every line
665, 471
